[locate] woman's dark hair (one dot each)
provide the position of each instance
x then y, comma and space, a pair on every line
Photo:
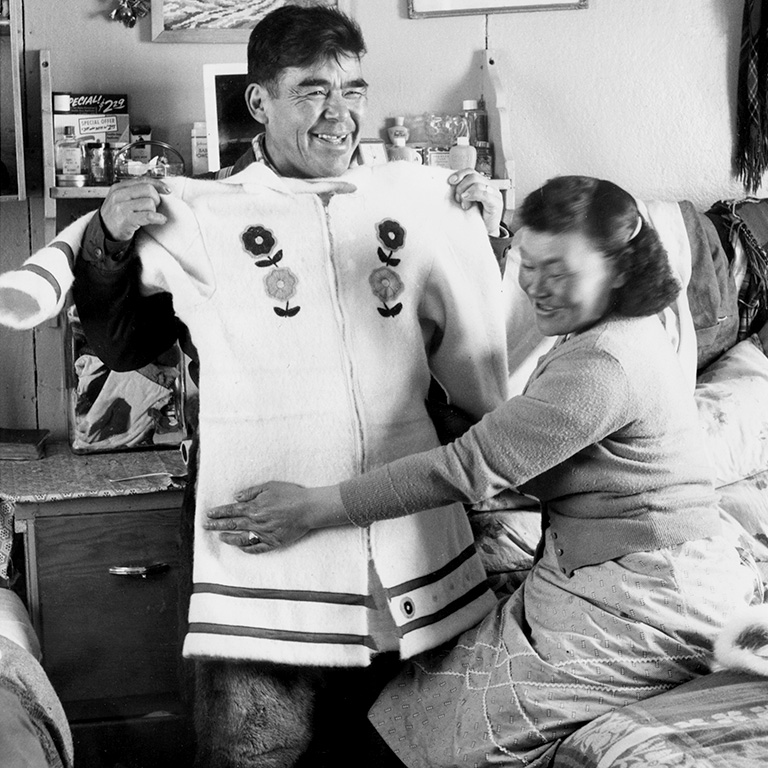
298, 36
609, 217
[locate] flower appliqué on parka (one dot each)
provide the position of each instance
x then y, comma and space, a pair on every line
385, 282
280, 283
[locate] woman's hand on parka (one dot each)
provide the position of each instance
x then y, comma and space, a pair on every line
275, 514
470, 187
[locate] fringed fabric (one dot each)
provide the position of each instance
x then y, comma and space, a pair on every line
751, 159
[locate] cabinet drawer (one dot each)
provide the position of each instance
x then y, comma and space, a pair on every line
109, 640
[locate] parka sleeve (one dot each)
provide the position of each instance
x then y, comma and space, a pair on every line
463, 306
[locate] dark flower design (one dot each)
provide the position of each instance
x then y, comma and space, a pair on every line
386, 286
391, 235
258, 240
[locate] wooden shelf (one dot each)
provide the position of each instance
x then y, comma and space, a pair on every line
73, 193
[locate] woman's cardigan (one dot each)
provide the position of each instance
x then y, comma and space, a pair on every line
605, 434
319, 319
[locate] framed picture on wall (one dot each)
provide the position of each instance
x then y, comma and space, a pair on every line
418, 9
229, 125
213, 21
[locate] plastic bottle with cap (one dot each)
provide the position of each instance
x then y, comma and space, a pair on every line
399, 129
462, 154
401, 151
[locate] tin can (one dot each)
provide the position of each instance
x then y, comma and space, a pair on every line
71, 179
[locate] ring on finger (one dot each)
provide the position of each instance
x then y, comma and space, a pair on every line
253, 538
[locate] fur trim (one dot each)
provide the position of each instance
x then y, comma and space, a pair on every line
742, 644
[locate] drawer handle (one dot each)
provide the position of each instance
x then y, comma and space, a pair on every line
141, 571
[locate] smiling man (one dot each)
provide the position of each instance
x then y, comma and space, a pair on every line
302, 700
311, 109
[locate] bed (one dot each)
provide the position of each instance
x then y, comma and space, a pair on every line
34, 732
722, 718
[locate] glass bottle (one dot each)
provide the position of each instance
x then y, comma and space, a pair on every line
99, 163
477, 121
69, 153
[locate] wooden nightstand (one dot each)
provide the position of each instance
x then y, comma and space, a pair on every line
103, 573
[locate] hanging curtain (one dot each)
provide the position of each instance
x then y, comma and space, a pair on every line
752, 107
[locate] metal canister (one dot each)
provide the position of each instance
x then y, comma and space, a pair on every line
71, 179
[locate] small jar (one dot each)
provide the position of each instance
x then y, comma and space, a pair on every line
98, 163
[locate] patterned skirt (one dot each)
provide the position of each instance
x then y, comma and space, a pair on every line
562, 651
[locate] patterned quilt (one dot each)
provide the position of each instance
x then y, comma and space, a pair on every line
717, 721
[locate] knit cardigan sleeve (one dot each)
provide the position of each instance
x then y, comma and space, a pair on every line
575, 398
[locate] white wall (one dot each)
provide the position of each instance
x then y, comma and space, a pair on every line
640, 92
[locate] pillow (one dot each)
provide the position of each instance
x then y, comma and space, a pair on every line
15, 623
732, 399
744, 505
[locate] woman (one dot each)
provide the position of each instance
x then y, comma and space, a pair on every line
633, 577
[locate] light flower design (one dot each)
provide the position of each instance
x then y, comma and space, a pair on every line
386, 286
281, 283
385, 283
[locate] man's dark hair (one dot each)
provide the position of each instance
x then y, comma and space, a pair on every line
298, 36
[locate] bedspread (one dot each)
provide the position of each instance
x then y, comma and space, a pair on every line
716, 721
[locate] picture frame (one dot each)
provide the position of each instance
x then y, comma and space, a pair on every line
419, 9
229, 125
372, 152
213, 21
